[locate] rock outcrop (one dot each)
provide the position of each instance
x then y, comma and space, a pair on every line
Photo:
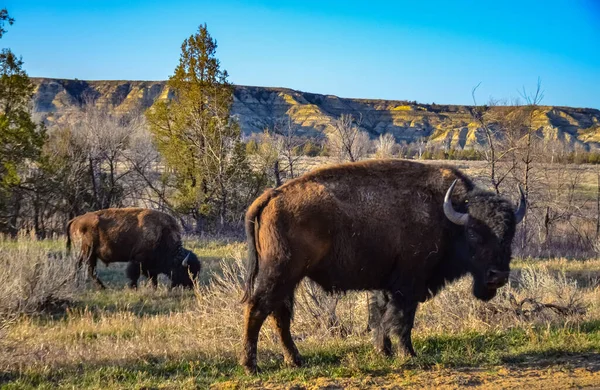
258, 107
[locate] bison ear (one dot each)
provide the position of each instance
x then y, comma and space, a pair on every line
185, 262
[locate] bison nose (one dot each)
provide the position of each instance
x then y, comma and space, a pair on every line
496, 278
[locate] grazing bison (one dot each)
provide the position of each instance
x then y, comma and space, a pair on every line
400, 227
149, 240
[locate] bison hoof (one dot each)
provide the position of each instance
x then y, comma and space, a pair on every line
386, 351
251, 369
384, 346
249, 364
295, 361
407, 353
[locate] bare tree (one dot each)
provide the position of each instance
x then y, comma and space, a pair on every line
556, 194
385, 146
421, 145
484, 117
287, 143
150, 179
524, 147
533, 100
88, 163
104, 137
266, 155
118, 153
512, 149
346, 141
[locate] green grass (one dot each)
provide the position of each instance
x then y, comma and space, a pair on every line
335, 359
146, 338
47, 245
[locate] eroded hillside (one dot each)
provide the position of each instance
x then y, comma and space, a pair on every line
258, 107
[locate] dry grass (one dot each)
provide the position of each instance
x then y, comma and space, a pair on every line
34, 280
157, 338
536, 296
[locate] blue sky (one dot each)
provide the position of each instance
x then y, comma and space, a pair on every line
429, 51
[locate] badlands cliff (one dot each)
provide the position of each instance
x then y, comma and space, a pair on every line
257, 107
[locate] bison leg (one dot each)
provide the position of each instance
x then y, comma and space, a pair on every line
408, 317
282, 318
381, 338
268, 297
133, 272
151, 275
255, 314
87, 254
92, 260
399, 317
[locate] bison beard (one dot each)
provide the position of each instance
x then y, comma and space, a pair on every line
402, 228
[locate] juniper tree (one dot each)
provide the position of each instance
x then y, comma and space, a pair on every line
21, 139
195, 134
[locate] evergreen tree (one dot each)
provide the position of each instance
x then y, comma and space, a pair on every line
4, 17
21, 139
195, 134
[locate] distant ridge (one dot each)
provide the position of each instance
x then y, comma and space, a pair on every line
256, 107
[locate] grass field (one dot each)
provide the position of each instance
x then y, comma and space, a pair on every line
121, 338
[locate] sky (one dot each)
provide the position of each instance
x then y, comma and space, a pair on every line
428, 51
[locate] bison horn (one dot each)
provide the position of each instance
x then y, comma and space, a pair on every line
185, 261
522, 209
453, 215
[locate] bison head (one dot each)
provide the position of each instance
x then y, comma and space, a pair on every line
186, 264
489, 228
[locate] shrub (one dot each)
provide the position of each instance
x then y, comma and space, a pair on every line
311, 149
33, 279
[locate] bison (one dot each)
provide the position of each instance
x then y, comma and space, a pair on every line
399, 227
149, 240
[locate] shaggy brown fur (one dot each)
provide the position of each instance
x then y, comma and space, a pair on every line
373, 225
150, 240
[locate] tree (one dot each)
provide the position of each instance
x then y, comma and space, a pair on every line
105, 138
4, 18
346, 141
265, 153
287, 144
385, 146
196, 135
21, 139
94, 159
512, 146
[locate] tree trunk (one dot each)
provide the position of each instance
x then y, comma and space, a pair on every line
276, 173
200, 222
36, 216
13, 228
291, 164
94, 186
547, 224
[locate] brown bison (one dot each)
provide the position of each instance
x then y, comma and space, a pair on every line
400, 227
149, 240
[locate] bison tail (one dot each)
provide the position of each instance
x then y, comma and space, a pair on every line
252, 221
69, 236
